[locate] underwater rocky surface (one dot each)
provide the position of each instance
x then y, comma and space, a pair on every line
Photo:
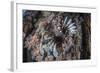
56, 36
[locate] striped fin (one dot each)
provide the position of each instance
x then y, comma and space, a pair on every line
72, 28
72, 24
65, 20
55, 53
70, 20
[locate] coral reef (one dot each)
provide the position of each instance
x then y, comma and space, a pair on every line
56, 36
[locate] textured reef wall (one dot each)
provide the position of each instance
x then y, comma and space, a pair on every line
56, 36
